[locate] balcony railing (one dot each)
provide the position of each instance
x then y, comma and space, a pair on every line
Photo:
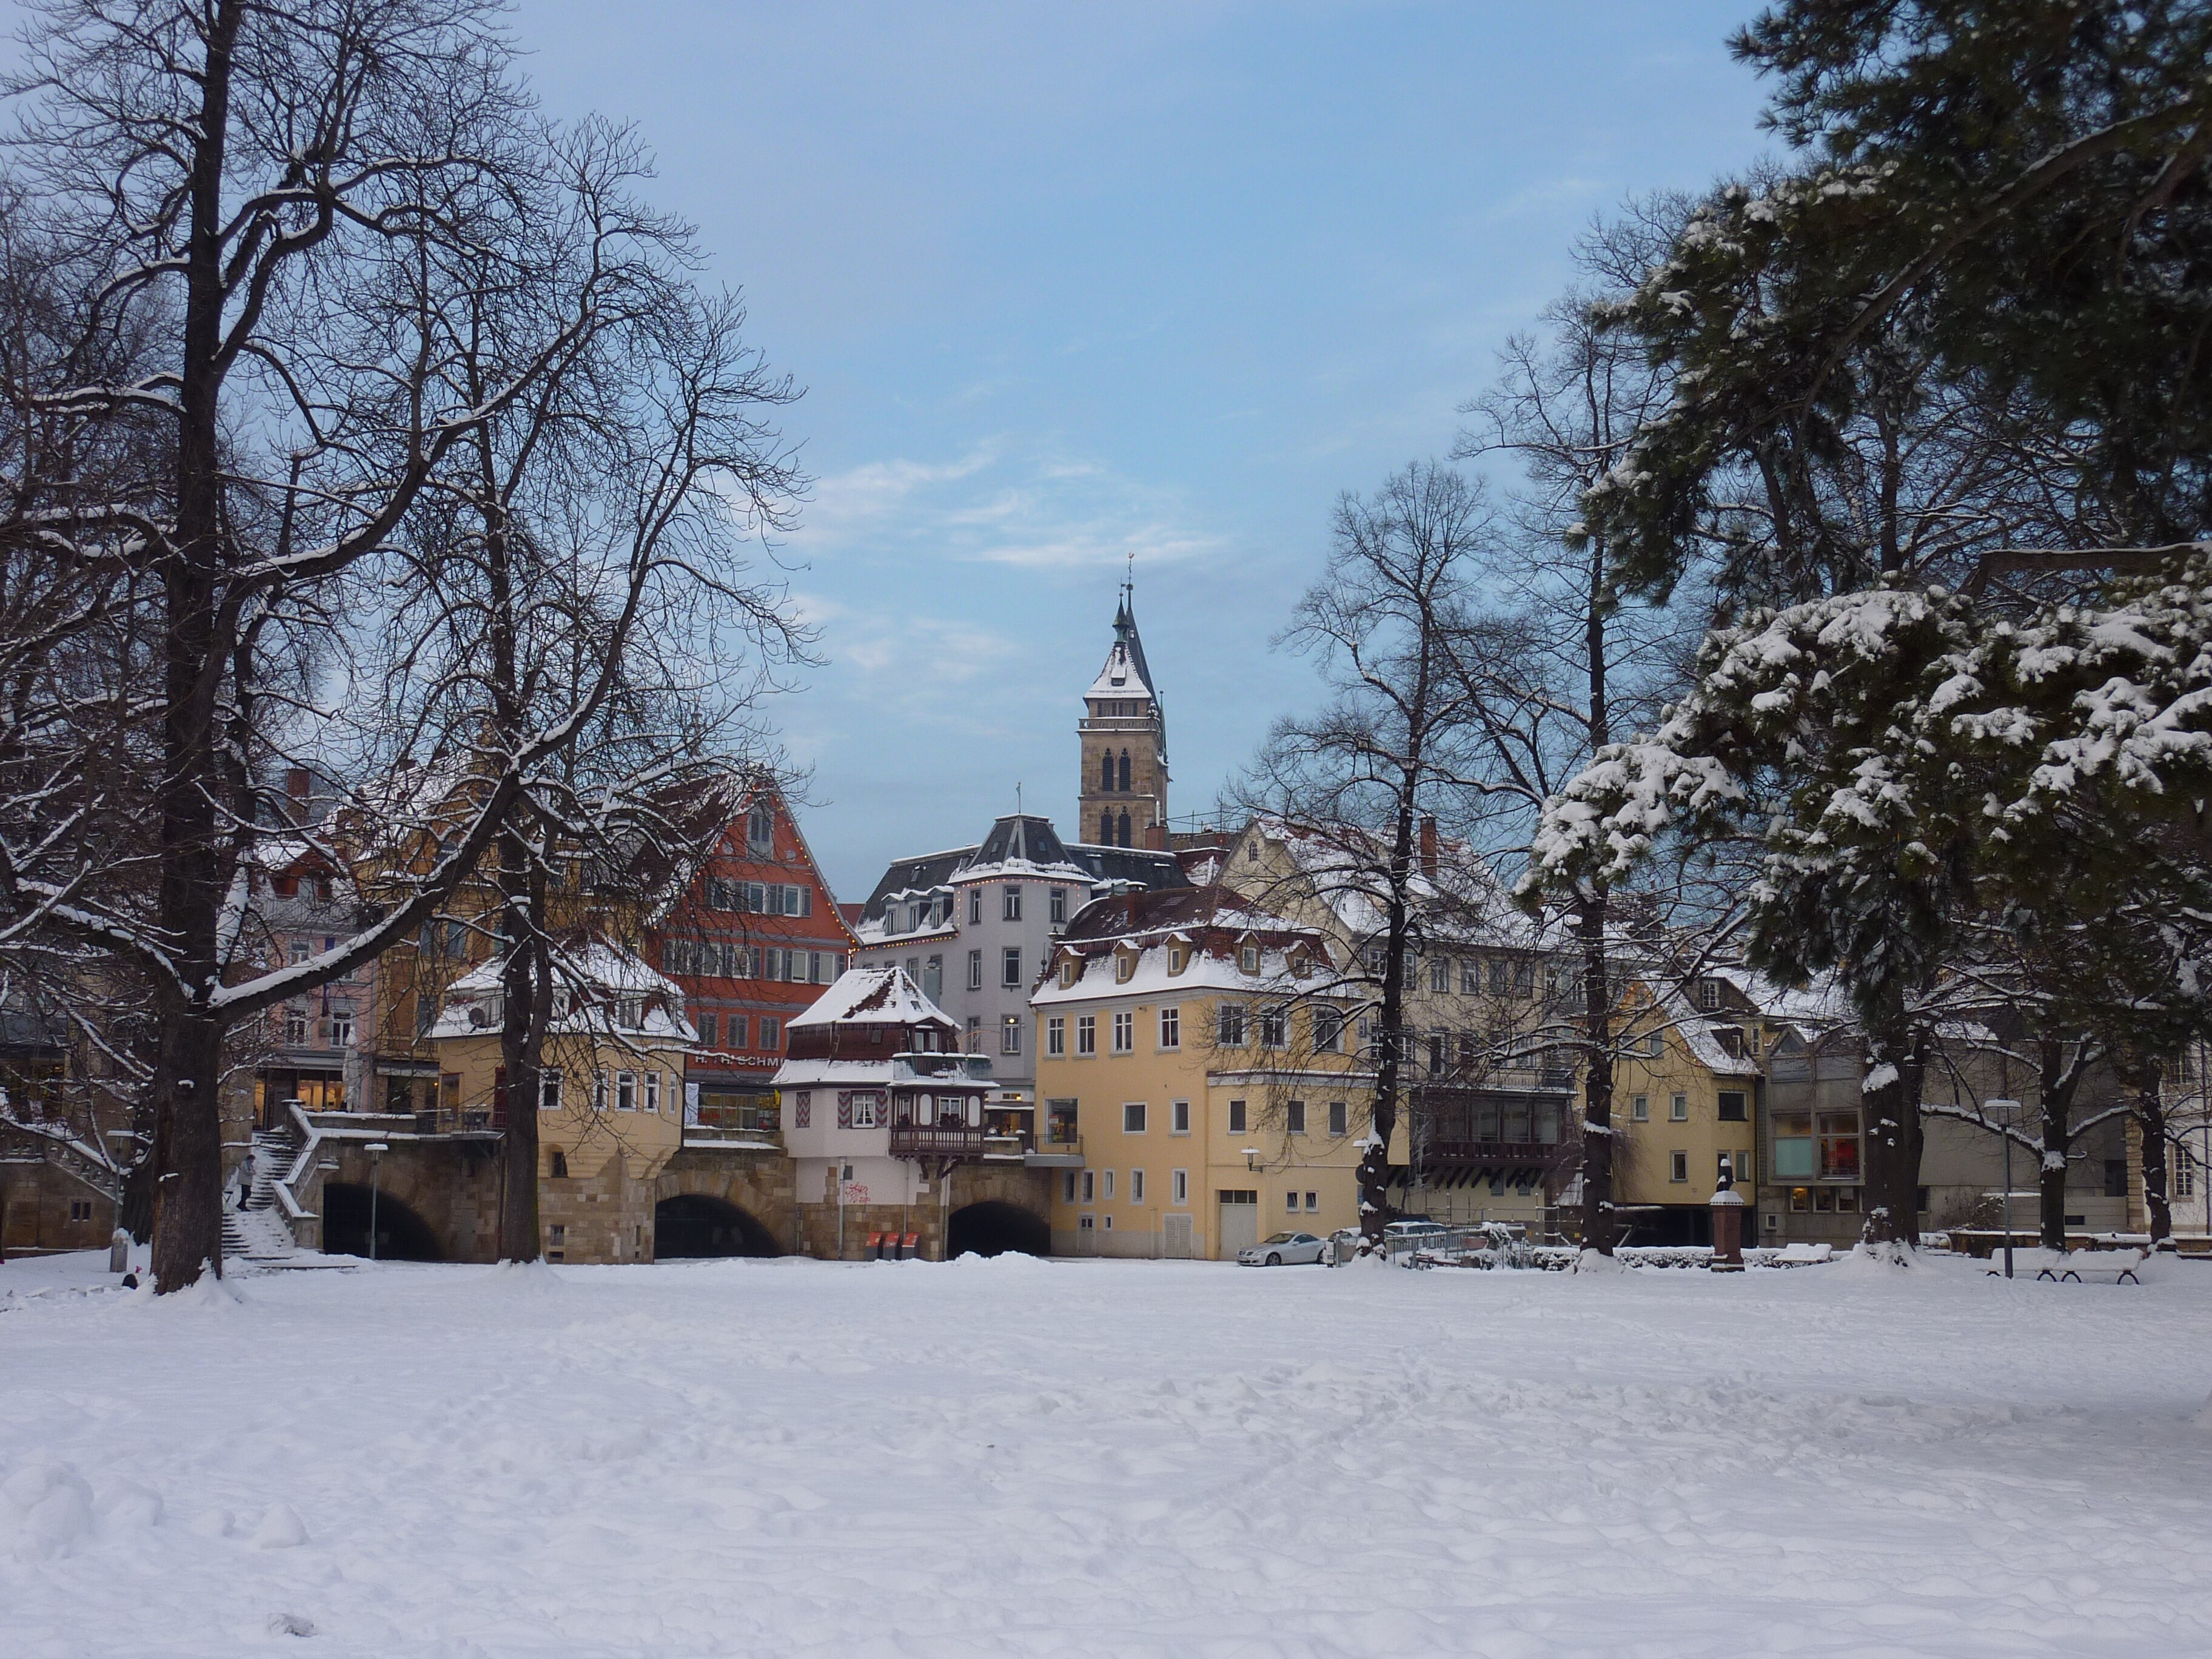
1443, 1151
916, 1140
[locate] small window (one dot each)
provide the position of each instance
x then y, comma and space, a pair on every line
1274, 1028
80, 1209
625, 1091
739, 1028
1012, 909
1125, 966
706, 1031
1678, 1110
1106, 1187
1056, 902
1229, 1020
549, 1090
1313, 1203
1292, 1206
1125, 1033
1639, 1109
1733, 1107
1709, 995
1086, 1034
760, 829
1010, 967
1056, 1035
975, 907
769, 1033
653, 1091
1171, 1028
1328, 1030
1090, 1186
974, 970
1010, 1034
1678, 1166
1249, 959
1294, 1117
1235, 1117
1136, 1186
1439, 975
1656, 1044
1067, 1187
559, 1165
1133, 1117
1339, 1119
1179, 1118
1179, 1187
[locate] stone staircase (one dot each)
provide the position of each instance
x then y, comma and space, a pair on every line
259, 1231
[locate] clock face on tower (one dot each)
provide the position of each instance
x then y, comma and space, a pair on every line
1123, 791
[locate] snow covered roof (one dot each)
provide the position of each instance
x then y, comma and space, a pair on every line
872, 996
590, 978
1461, 902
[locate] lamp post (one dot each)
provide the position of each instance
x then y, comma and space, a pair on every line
2004, 1134
377, 1149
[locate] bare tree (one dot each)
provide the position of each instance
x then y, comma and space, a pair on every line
270, 193
1359, 777
579, 572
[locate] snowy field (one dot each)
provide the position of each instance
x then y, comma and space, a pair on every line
783, 1458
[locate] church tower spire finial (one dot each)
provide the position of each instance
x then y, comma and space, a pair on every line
1122, 797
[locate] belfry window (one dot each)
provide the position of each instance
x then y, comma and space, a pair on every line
1106, 771
1125, 775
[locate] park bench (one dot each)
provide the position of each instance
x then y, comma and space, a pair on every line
2074, 1267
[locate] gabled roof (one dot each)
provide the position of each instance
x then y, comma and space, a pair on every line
873, 996
1026, 844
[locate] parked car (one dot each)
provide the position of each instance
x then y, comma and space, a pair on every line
1413, 1235
1281, 1250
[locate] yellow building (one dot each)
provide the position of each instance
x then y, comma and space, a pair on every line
1202, 1055
612, 1102
1685, 1096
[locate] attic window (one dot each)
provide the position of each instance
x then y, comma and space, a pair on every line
1124, 966
1174, 958
1251, 852
760, 828
1249, 958
1709, 994
1068, 972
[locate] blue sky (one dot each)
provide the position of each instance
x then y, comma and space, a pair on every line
1066, 282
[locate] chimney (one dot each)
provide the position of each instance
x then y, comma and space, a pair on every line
1156, 837
1429, 845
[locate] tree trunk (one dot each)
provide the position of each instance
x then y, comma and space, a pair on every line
1598, 1217
187, 1081
1891, 1115
2059, 1082
527, 998
2150, 1122
188, 1141
1375, 1161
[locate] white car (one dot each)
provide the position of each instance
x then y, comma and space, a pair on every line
1282, 1249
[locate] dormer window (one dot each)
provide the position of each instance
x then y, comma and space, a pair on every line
629, 1013
1174, 958
1125, 965
1249, 958
1069, 972
1709, 995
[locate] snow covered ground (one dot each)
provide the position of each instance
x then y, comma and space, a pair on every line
1102, 1459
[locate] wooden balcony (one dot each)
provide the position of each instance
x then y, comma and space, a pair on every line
916, 1140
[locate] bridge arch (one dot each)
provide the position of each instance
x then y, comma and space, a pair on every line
690, 1224
402, 1234
994, 1227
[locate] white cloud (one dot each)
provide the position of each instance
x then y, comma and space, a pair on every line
1003, 502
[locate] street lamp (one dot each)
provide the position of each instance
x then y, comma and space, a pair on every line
377, 1149
2005, 1135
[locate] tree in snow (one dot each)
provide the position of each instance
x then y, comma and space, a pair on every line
279, 206
1560, 657
574, 588
1359, 777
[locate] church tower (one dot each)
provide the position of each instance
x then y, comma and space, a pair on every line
1124, 738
